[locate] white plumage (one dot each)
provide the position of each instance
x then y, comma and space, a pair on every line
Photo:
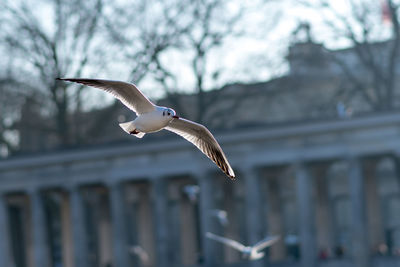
249, 252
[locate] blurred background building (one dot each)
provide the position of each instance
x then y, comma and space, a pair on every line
315, 146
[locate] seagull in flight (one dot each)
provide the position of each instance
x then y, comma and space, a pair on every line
192, 191
221, 215
248, 252
152, 118
140, 253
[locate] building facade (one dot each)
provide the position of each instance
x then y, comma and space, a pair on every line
329, 189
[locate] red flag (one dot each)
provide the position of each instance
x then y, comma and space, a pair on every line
386, 15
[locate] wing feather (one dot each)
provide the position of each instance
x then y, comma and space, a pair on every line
232, 243
202, 138
266, 242
127, 93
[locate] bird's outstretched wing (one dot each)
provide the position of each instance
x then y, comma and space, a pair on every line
127, 93
232, 243
266, 242
201, 137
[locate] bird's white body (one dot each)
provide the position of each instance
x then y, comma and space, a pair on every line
152, 121
255, 255
251, 253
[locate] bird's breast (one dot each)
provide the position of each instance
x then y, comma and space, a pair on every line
150, 122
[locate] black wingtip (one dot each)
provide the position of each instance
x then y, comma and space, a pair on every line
230, 173
59, 79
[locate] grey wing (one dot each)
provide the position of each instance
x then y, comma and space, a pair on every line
127, 93
232, 243
201, 137
266, 242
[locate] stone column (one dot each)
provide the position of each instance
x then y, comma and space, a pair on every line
396, 161
226, 198
188, 232
119, 229
41, 251
134, 193
275, 214
254, 221
306, 216
323, 210
5, 240
375, 228
66, 231
358, 207
145, 224
80, 238
207, 224
174, 222
102, 218
160, 207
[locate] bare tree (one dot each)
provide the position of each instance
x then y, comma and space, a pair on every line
9, 102
183, 34
146, 31
210, 24
53, 39
208, 32
371, 28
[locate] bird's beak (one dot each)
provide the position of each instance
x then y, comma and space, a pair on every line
175, 117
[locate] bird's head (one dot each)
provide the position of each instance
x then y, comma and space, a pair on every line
169, 113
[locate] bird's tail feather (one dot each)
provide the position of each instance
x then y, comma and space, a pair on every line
130, 128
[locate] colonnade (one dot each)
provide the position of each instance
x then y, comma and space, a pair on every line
262, 216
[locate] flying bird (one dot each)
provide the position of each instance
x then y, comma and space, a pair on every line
221, 215
152, 118
192, 191
248, 252
140, 253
